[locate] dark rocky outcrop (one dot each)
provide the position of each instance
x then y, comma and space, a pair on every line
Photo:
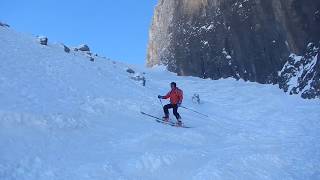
139, 78
85, 50
301, 74
130, 71
4, 24
91, 59
66, 48
247, 39
84, 47
43, 40
90, 56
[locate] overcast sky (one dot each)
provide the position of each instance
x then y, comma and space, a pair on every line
114, 28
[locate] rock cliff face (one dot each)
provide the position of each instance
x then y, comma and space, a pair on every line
247, 39
301, 74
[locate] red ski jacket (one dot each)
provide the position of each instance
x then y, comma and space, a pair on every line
175, 95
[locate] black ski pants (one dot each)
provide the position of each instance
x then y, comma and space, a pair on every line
175, 110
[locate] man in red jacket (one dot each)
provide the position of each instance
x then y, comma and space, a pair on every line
176, 97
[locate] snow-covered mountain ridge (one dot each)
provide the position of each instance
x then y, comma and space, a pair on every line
64, 117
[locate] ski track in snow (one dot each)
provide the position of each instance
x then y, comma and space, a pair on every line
64, 117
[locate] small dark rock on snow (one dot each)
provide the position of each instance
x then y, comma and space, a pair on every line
83, 47
139, 78
131, 71
66, 48
43, 40
196, 98
4, 24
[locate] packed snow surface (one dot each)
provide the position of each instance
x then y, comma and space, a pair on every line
63, 117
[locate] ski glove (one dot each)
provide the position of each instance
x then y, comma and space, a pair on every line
160, 97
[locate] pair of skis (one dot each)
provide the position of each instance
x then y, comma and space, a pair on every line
160, 120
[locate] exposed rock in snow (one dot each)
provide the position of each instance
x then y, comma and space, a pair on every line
4, 24
66, 48
89, 55
85, 50
196, 98
83, 47
140, 78
301, 74
43, 40
129, 70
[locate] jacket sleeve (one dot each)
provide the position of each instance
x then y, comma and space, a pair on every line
180, 96
167, 96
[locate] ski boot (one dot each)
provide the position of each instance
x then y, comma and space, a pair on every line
165, 119
179, 123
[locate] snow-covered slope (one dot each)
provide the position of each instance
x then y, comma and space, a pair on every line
63, 117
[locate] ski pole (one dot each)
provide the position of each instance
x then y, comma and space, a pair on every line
194, 111
161, 102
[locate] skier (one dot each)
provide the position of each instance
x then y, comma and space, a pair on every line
176, 97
